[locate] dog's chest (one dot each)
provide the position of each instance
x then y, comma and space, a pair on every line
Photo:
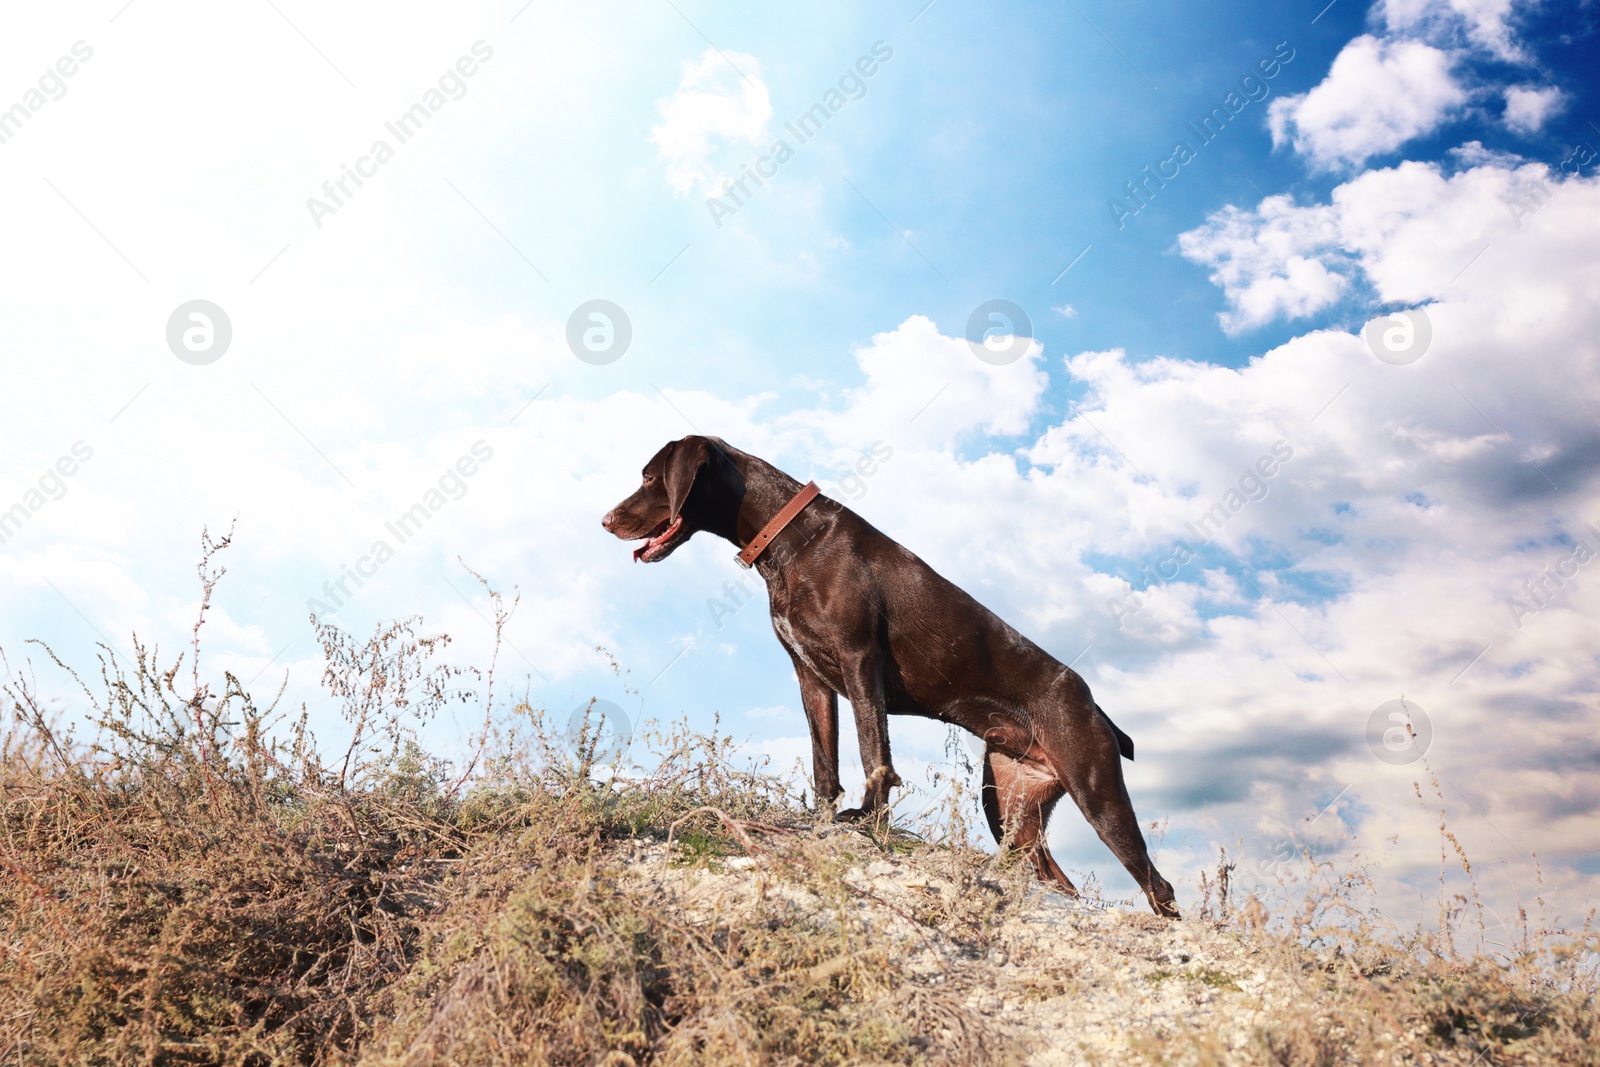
806, 649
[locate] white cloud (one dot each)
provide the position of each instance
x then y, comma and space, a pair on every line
1528, 106
1422, 500
1408, 231
1265, 261
1378, 95
1474, 154
1066, 311
720, 109
1482, 24
922, 388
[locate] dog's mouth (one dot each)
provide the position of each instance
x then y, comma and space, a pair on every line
660, 540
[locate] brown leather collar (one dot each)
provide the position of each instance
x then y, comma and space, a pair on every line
748, 555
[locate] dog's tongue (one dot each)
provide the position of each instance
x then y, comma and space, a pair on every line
643, 551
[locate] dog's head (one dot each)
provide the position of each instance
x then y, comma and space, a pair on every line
681, 492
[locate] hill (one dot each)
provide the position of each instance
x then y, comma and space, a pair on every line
192, 884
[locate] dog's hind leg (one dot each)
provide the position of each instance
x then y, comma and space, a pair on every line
1018, 797
990, 795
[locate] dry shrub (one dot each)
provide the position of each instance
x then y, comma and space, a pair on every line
552, 953
195, 884
1356, 989
185, 890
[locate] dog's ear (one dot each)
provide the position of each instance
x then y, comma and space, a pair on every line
689, 456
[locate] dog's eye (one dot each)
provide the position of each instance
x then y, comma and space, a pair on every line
648, 478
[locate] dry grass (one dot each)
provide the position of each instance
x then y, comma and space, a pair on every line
194, 883
192, 886
1354, 989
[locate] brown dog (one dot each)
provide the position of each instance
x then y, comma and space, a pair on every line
864, 618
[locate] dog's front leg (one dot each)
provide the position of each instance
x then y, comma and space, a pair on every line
822, 715
863, 681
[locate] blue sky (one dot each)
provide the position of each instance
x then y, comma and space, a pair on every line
1407, 159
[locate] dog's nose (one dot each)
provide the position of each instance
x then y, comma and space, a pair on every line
609, 520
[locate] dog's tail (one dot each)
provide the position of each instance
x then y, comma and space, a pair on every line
1124, 742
